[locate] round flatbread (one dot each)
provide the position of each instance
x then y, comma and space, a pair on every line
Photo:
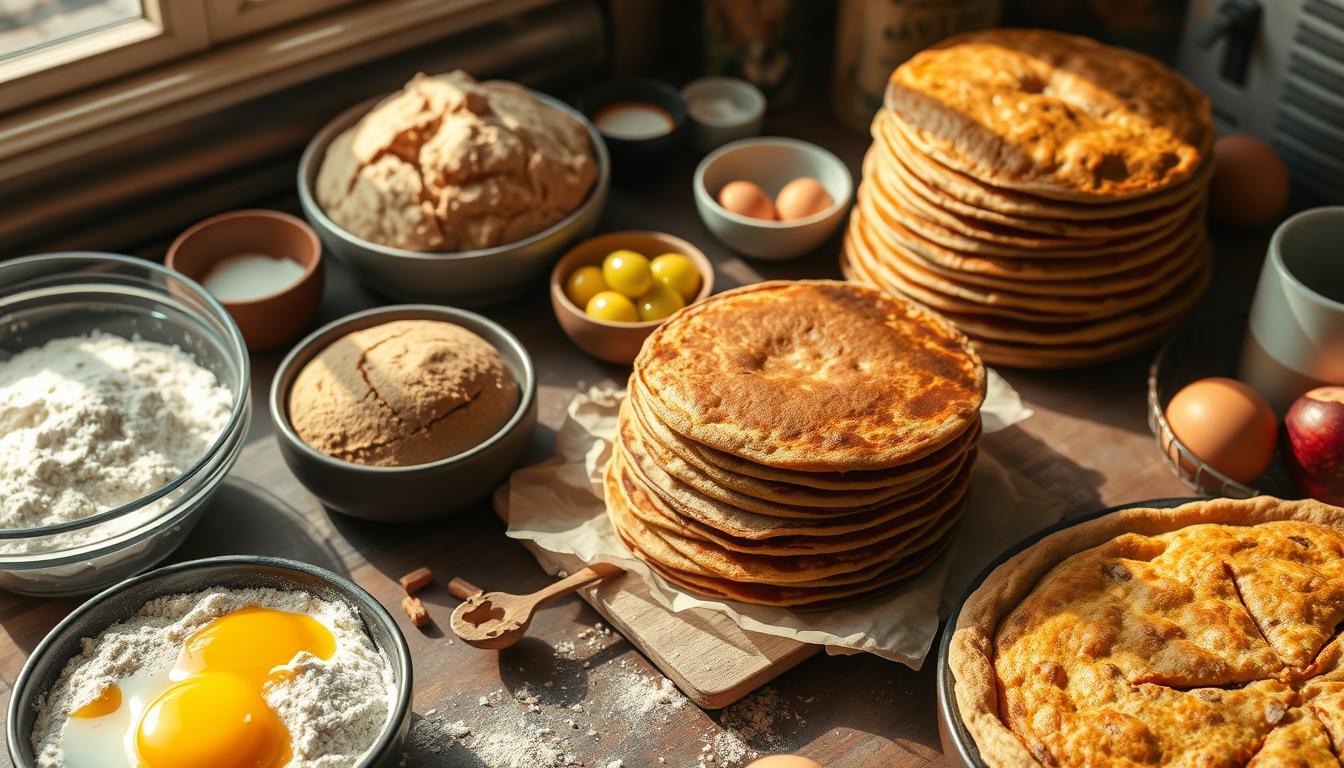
1056, 115
653, 510
812, 376
703, 558
948, 294
647, 437
977, 193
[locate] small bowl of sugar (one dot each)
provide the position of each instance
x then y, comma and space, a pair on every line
265, 267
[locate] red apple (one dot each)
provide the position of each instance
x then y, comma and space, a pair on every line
1315, 453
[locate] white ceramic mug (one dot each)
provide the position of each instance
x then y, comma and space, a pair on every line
1295, 339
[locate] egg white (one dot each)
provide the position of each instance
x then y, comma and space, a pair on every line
109, 741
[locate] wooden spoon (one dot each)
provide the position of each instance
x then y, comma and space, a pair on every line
495, 620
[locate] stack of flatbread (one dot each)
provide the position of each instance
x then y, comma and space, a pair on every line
797, 444
1043, 191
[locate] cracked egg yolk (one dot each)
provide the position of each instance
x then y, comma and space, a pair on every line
212, 712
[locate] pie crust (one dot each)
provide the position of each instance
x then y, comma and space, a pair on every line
1243, 662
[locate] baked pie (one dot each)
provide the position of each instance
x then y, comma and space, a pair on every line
1206, 635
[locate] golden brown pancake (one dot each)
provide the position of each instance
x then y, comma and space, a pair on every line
778, 499
739, 523
650, 507
952, 212
893, 210
814, 376
901, 476
706, 558
800, 598
1056, 115
977, 193
951, 296
703, 559
1079, 266
778, 486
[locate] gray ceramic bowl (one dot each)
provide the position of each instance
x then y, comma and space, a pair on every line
959, 748
420, 491
467, 278
122, 601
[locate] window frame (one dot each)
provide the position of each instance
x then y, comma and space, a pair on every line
167, 30
232, 19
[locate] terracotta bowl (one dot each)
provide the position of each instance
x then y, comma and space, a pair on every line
271, 320
617, 342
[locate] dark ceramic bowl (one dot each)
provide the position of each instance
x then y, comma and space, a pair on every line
120, 602
419, 491
959, 749
632, 159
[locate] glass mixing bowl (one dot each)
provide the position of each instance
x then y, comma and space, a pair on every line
72, 294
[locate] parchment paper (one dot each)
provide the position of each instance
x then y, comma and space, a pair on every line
558, 504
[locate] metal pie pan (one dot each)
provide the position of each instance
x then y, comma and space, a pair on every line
959, 748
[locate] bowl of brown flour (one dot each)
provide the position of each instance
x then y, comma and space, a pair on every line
407, 412
123, 405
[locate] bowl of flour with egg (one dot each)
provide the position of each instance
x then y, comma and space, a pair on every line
123, 405
238, 660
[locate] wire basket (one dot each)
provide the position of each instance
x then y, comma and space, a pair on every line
1201, 350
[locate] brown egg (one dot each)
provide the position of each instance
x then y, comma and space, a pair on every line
785, 761
1250, 182
1228, 425
801, 198
746, 199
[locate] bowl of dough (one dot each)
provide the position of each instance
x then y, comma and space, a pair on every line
452, 190
123, 405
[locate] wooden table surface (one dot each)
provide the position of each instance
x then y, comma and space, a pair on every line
1088, 444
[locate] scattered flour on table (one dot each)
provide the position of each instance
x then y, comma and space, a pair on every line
89, 423
334, 709
540, 726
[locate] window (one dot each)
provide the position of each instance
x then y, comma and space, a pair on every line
90, 89
26, 25
52, 47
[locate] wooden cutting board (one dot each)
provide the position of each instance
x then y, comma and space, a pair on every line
711, 659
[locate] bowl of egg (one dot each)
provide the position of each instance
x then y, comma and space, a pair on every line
611, 291
772, 198
227, 661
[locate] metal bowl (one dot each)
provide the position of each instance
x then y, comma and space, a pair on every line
959, 749
419, 491
121, 602
476, 278
1201, 350
71, 294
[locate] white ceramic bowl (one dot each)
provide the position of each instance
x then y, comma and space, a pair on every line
710, 130
771, 163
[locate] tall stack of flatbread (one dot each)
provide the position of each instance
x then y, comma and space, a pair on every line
800, 444
1043, 191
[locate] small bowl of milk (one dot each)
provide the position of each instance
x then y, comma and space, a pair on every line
641, 121
265, 267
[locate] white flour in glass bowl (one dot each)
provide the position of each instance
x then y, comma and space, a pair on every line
90, 423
